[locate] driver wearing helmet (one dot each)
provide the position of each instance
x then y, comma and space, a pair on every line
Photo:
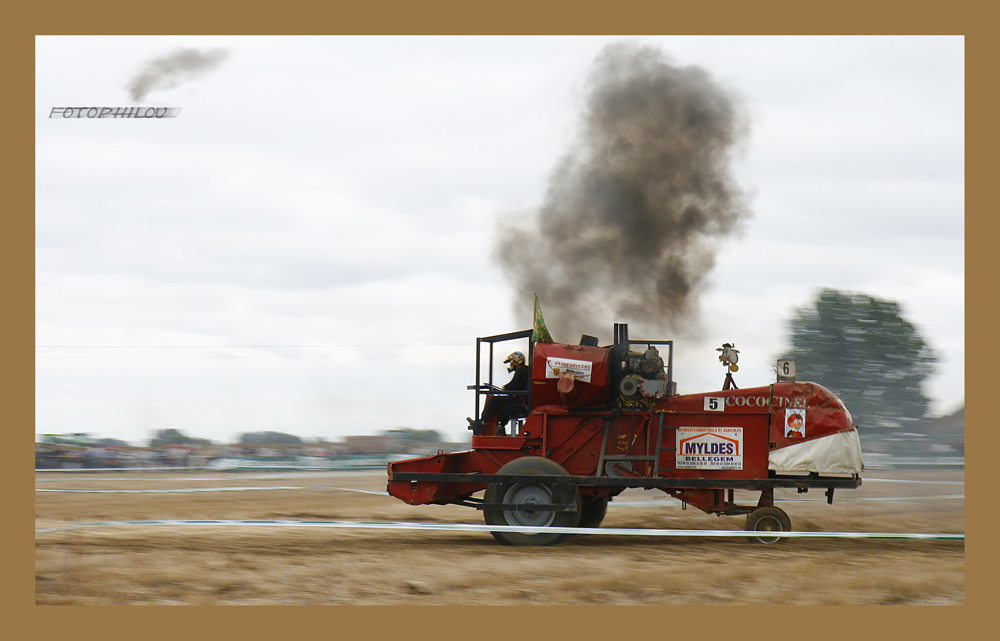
503, 406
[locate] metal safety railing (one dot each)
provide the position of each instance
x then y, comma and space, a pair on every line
489, 387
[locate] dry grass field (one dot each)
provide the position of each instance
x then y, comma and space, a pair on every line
214, 565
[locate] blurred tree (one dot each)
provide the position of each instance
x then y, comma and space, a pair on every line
269, 438
861, 348
176, 437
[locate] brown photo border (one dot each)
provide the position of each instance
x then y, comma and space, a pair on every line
454, 622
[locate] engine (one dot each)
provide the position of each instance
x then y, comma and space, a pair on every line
642, 378
587, 376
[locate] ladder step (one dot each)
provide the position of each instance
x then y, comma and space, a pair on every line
628, 457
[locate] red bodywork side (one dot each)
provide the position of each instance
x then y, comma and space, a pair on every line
751, 420
592, 382
825, 413
487, 460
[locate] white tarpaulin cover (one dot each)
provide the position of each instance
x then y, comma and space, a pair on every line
836, 453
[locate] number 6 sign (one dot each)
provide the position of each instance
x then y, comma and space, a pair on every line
786, 370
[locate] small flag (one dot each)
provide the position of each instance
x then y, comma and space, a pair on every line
540, 333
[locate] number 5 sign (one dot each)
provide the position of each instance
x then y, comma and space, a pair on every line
715, 403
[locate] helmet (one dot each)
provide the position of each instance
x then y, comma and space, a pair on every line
516, 359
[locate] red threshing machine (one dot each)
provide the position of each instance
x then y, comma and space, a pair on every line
599, 420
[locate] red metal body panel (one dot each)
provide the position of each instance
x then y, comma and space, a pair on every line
753, 426
589, 393
825, 413
574, 440
695, 439
485, 461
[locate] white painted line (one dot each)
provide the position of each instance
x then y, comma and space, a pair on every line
864, 480
461, 527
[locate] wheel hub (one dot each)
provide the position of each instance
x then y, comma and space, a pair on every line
768, 524
521, 494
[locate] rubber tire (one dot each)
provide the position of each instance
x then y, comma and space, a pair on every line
593, 511
768, 519
497, 492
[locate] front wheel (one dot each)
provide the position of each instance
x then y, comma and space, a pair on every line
767, 519
532, 492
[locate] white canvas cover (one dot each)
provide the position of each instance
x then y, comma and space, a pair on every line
838, 453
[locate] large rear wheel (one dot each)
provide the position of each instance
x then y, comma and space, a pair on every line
768, 519
521, 492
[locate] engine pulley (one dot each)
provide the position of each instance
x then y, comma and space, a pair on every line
630, 385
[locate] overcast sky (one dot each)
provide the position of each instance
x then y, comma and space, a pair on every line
307, 247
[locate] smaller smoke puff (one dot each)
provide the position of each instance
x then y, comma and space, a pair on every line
169, 71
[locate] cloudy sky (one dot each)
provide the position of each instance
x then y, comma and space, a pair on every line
308, 247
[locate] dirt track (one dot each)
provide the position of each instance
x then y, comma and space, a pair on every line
188, 564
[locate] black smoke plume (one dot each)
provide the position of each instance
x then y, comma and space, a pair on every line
170, 70
636, 212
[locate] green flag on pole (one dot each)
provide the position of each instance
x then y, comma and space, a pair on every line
540, 333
